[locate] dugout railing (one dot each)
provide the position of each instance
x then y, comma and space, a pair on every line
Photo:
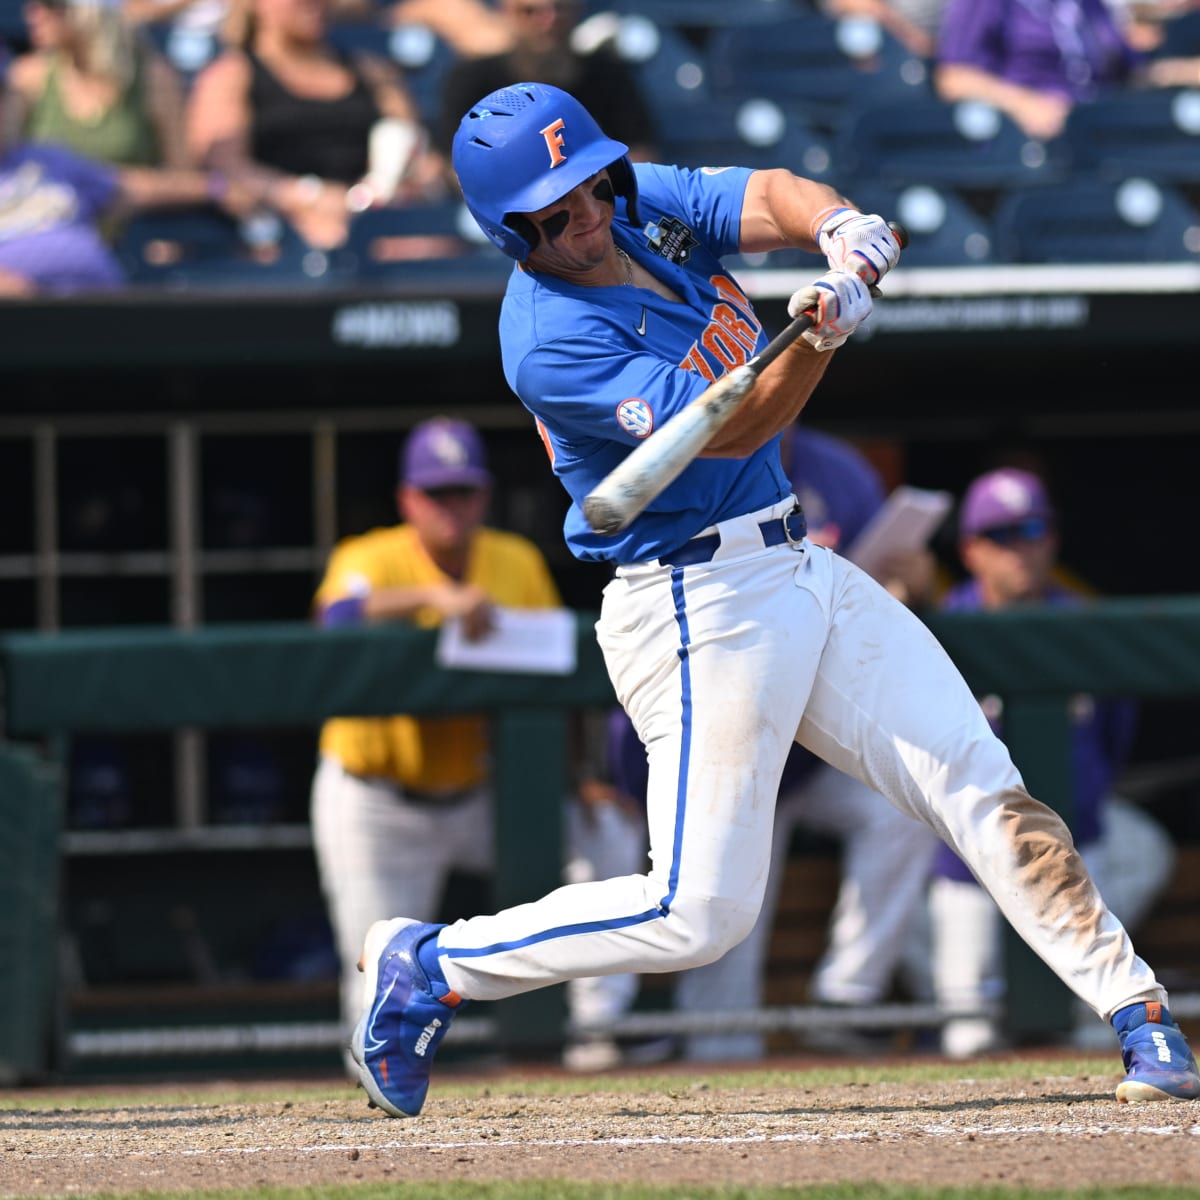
126, 680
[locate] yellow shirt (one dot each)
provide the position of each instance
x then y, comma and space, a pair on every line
433, 754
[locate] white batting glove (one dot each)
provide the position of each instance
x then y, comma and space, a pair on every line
839, 303
854, 242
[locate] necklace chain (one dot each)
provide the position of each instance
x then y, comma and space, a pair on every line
628, 267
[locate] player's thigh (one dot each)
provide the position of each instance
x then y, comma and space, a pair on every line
890, 708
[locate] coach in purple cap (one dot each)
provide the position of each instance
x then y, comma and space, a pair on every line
444, 453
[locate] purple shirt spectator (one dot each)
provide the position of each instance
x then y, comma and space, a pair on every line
1102, 732
1072, 48
50, 201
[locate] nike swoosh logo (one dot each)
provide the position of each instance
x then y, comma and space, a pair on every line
370, 1041
641, 329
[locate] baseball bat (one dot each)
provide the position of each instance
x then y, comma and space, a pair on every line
650, 468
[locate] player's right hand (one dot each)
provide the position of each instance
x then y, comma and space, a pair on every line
839, 303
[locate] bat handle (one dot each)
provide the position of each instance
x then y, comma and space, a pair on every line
901, 234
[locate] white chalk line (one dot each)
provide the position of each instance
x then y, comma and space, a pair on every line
746, 1139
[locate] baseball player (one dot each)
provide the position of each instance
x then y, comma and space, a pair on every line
727, 634
399, 802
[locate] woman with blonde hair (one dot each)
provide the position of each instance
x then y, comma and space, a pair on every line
321, 133
98, 89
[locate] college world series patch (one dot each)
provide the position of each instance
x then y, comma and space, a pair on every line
671, 238
635, 417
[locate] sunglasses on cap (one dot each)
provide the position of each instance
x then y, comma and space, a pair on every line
1031, 529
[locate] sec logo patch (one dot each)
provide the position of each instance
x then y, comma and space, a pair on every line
634, 416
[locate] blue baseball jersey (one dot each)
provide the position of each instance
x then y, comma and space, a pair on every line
600, 368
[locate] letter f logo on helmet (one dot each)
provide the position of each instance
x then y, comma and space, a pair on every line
553, 133
510, 157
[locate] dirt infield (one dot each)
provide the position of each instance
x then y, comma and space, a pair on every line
1043, 1131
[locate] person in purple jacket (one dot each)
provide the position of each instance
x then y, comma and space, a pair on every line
1009, 545
1031, 59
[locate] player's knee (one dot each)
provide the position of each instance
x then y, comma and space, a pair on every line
702, 929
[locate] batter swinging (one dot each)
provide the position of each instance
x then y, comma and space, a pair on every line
726, 634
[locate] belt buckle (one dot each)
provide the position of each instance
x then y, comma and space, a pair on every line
794, 543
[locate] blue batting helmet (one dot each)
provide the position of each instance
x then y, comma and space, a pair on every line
521, 148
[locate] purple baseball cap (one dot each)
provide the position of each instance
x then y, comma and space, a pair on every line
1001, 498
444, 452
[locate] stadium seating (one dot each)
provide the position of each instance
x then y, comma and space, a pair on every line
965, 145
419, 241
1154, 132
201, 247
753, 133
1097, 221
703, 14
943, 230
189, 51
671, 72
420, 54
826, 64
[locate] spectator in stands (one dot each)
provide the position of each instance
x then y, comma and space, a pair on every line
471, 28
876, 929
1034, 62
399, 802
321, 134
43, 24
1009, 545
913, 23
542, 52
93, 85
52, 202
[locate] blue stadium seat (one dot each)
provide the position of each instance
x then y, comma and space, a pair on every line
965, 145
753, 133
671, 72
1155, 132
702, 14
417, 241
12, 27
1097, 221
1181, 36
189, 51
943, 229
827, 64
420, 54
202, 248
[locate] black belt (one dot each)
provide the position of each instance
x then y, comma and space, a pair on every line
791, 527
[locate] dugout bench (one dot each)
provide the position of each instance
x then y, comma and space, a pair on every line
123, 680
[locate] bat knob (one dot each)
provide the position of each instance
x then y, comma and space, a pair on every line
602, 516
900, 233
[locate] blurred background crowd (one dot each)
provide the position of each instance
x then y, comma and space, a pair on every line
311, 136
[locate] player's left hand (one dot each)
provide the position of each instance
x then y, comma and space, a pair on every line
861, 243
839, 303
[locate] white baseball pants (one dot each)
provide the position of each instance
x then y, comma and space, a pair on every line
720, 666
885, 863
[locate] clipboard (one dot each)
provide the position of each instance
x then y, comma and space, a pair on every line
906, 521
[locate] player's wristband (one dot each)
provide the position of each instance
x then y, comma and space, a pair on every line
824, 216
348, 611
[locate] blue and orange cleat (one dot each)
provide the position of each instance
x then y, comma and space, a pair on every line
1158, 1062
394, 1043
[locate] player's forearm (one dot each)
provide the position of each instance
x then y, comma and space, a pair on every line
776, 400
779, 208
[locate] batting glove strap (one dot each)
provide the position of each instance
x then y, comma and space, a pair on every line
857, 242
839, 302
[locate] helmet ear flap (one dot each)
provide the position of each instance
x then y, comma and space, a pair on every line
625, 184
525, 229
